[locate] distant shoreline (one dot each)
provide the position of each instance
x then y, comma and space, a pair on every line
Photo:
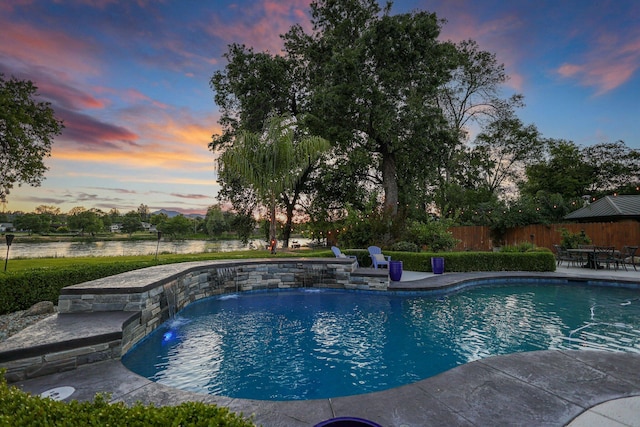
25, 238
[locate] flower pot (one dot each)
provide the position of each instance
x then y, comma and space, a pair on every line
437, 265
347, 422
395, 270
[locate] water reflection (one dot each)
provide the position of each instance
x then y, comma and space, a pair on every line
123, 248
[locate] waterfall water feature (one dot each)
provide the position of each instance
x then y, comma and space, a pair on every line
311, 276
226, 274
171, 294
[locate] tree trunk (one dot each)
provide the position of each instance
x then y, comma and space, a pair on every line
288, 225
390, 182
272, 227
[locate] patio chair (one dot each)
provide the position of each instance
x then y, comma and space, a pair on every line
605, 255
628, 256
563, 255
377, 258
338, 253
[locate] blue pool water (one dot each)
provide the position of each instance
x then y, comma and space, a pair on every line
310, 344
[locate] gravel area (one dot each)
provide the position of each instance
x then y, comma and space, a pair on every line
12, 323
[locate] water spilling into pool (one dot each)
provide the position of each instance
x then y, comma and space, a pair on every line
310, 344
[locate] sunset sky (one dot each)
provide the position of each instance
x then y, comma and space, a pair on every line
130, 79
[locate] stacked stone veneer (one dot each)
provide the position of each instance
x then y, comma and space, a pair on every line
152, 295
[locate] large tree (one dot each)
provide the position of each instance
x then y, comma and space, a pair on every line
563, 170
372, 80
27, 129
472, 100
273, 161
573, 171
252, 86
504, 148
616, 167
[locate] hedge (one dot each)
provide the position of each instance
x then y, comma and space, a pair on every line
541, 260
18, 408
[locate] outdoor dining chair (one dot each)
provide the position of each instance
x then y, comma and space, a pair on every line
605, 255
627, 256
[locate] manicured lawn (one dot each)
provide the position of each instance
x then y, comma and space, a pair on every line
16, 265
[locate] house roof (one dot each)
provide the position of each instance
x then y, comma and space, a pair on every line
614, 207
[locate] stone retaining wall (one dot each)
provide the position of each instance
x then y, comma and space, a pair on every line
153, 295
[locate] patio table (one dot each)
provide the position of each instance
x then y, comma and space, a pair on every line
592, 256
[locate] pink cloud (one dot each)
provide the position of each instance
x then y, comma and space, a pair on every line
39, 47
496, 36
262, 25
92, 134
610, 64
191, 196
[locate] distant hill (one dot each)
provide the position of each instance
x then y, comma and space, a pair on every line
171, 214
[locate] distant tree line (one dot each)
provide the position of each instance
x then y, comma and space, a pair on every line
49, 219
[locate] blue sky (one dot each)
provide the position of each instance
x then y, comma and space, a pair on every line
131, 81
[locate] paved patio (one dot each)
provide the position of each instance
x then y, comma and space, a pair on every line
543, 388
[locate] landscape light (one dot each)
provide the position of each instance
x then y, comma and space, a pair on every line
158, 244
9, 238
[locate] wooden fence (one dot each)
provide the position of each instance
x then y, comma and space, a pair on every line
618, 234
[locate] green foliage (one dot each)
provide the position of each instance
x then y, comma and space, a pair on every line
405, 247
520, 247
27, 129
215, 221
85, 222
130, 223
273, 163
433, 234
371, 226
565, 172
33, 223
573, 240
179, 225
18, 408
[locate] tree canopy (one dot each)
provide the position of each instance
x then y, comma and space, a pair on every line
27, 129
273, 161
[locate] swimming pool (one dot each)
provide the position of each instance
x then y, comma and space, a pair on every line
311, 344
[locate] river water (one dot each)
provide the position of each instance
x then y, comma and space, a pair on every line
122, 248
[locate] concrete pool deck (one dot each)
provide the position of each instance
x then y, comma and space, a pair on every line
542, 388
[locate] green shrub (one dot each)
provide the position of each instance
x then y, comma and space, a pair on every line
405, 247
435, 235
520, 247
18, 408
573, 240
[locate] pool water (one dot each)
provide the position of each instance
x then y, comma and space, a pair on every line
311, 344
